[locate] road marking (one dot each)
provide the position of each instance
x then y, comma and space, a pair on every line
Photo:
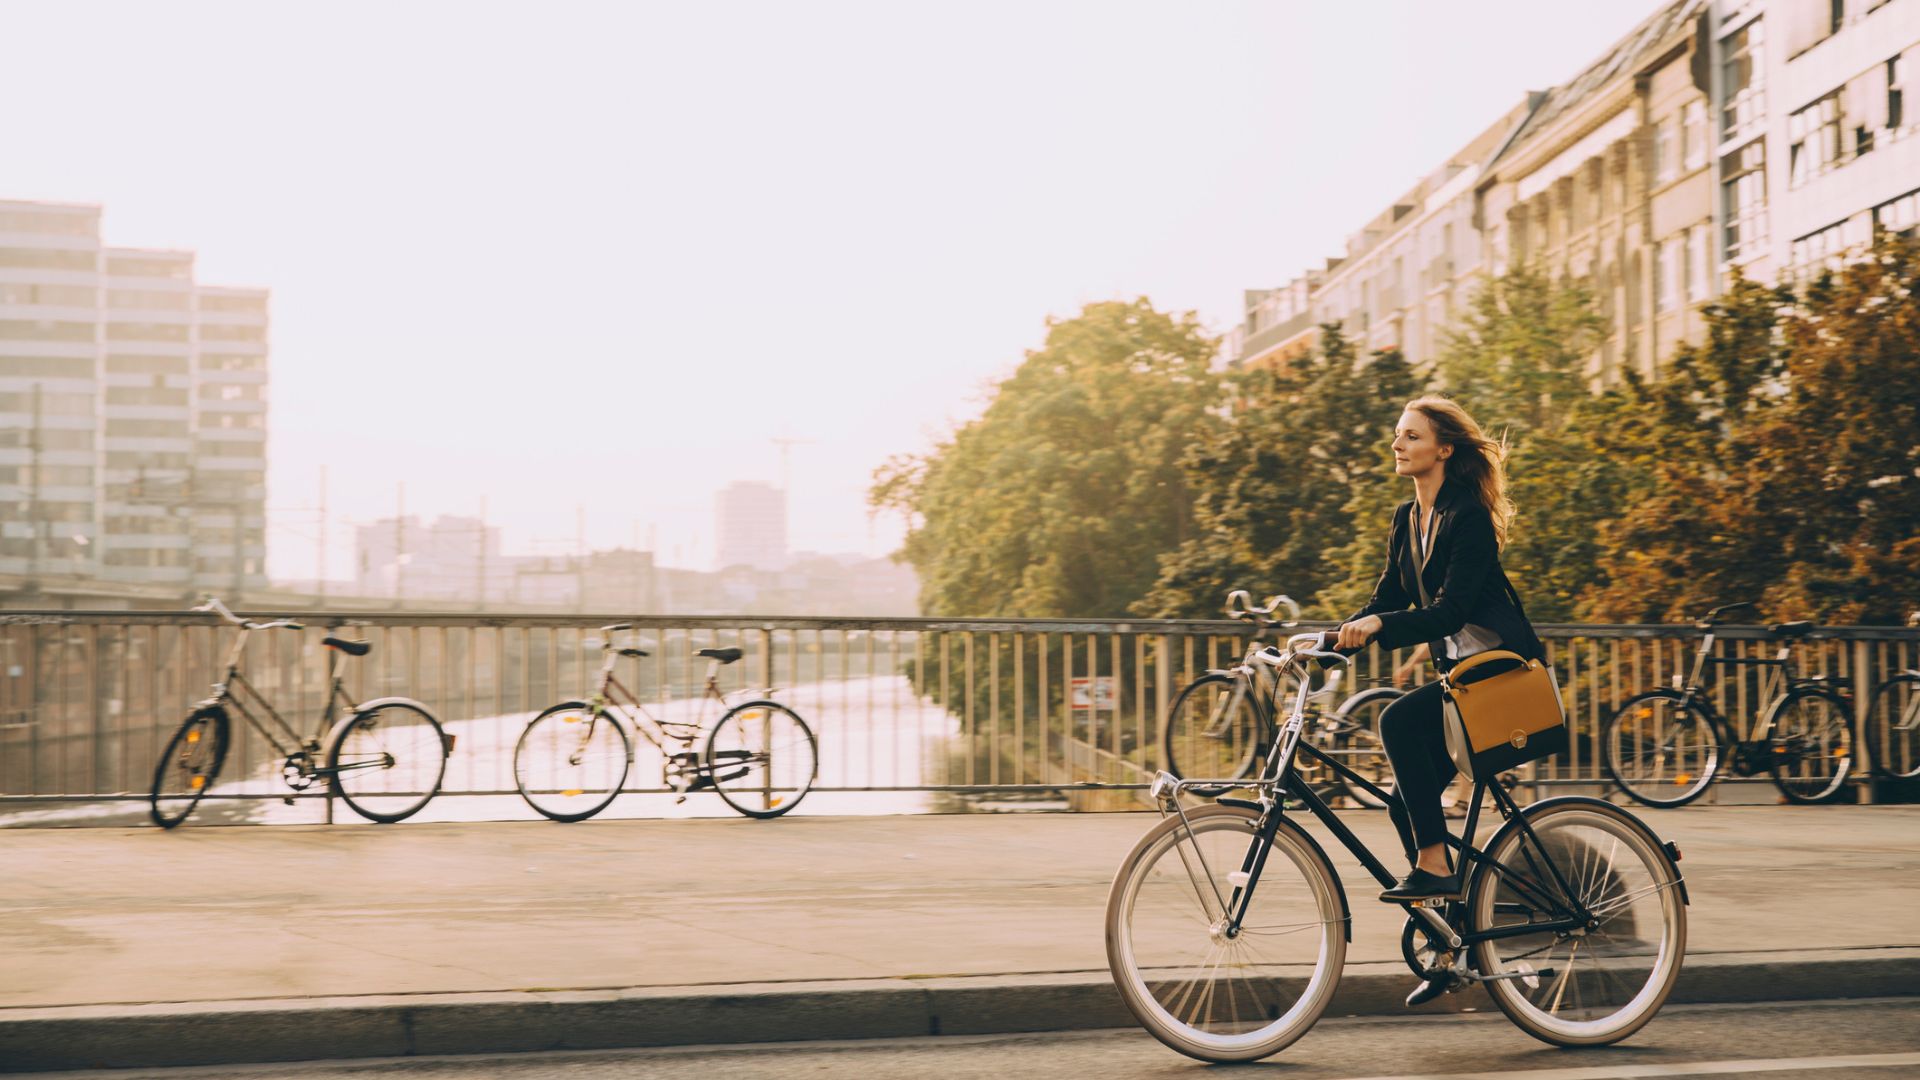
1697, 1068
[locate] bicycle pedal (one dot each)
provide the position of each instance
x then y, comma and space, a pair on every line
1434, 902
679, 800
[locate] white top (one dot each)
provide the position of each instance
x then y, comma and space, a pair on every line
1471, 638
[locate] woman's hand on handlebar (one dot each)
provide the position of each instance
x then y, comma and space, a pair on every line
1355, 635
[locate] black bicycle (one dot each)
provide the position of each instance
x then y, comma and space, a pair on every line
1227, 926
385, 758
1219, 726
1666, 746
1893, 723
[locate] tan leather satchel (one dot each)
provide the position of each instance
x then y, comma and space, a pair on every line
1502, 710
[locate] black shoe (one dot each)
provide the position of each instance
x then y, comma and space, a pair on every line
1432, 987
1421, 885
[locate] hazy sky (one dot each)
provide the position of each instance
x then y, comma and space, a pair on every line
599, 254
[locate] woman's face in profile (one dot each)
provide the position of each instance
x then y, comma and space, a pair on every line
1414, 448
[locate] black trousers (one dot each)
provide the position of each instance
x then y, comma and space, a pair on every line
1417, 746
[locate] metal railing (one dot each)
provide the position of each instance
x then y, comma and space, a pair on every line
947, 711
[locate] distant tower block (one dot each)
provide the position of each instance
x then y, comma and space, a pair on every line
751, 524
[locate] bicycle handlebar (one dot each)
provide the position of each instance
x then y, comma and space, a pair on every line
1712, 618
1247, 612
214, 606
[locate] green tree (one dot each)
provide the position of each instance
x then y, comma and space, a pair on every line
1272, 485
1059, 499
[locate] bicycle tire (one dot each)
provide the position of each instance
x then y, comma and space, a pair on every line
1835, 746
1893, 751
1238, 743
1693, 775
1380, 770
1156, 932
573, 780
371, 750
1650, 894
210, 752
777, 763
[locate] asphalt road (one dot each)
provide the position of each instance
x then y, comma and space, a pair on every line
1836, 1040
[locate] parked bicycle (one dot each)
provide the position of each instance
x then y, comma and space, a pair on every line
1893, 723
385, 758
1227, 926
1666, 746
1219, 725
573, 758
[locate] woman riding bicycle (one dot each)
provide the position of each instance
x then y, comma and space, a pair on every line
1443, 586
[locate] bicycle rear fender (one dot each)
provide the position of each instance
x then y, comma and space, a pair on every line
1513, 825
340, 726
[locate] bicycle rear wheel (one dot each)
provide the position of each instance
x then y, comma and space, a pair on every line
1212, 732
188, 766
1893, 727
1812, 745
762, 759
1593, 985
1659, 750
571, 761
1207, 995
388, 761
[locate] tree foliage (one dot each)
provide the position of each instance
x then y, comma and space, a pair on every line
1272, 487
1060, 498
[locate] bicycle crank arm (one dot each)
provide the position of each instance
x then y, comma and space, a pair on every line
385, 762
1543, 973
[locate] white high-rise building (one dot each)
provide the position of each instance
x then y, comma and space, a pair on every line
132, 412
750, 520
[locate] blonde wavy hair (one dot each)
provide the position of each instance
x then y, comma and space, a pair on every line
1478, 463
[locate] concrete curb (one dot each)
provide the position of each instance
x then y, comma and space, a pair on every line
227, 1032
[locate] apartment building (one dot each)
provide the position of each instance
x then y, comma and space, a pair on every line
116, 458
1607, 185
50, 319
1840, 159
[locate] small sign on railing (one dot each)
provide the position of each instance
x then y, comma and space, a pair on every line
1093, 693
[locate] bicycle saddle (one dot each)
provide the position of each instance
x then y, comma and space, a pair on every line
633, 652
725, 656
1791, 629
347, 645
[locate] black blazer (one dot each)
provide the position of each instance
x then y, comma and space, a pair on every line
1463, 577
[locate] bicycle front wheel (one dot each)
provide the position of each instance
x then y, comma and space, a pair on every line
1893, 727
1811, 745
1206, 992
571, 761
1591, 985
1212, 732
188, 766
1660, 750
1364, 751
388, 761
762, 759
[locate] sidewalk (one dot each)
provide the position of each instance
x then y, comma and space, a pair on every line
137, 947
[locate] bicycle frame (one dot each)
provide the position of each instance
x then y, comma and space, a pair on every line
1280, 776
611, 692
286, 742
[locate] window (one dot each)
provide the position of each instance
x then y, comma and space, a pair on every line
141, 395
1818, 249
217, 332
141, 331
1693, 135
48, 295
50, 404
149, 299
216, 302
181, 269
1744, 199
44, 330
223, 362
1667, 260
1813, 138
50, 438
233, 392
1898, 215
146, 365
1896, 100
49, 224
146, 429
1666, 159
1744, 80
1699, 263
32, 259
